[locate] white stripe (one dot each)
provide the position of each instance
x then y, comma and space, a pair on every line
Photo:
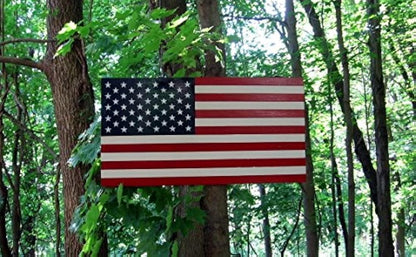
249, 105
246, 89
203, 172
174, 139
217, 155
213, 122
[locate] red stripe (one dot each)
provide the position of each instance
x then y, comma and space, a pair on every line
248, 113
250, 97
202, 164
202, 180
201, 147
250, 130
113, 182
218, 81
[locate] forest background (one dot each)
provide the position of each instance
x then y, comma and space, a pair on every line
358, 63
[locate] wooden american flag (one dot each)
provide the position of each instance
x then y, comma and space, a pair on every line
202, 131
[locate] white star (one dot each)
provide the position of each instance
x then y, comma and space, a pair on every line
164, 101
131, 90
139, 84
131, 101
155, 118
172, 117
148, 112
107, 107
155, 84
115, 124
147, 90
163, 90
180, 100
164, 123
171, 95
123, 118
187, 95
187, 84
123, 96
140, 129
140, 118
148, 123
123, 84
115, 90
107, 96
140, 106
124, 129
164, 112
156, 129
179, 90
172, 128
107, 118
139, 95
115, 101
172, 106
132, 123
131, 112
155, 95
155, 106
171, 84
108, 84
107, 129
123, 107
188, 117
188, 128
147, 101
187, 106
180, 112
180, 123
115, 113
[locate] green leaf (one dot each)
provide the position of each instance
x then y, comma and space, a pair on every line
175, 249
177, 22
169, 219
119, 194
160, 13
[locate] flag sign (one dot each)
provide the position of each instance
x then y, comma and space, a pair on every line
171, 131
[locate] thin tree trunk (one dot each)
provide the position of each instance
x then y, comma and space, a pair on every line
361, 150
401, 228
292, 232
308, 188
333, 174
266, 222
16, 166
4, 245
381, 138
348, 140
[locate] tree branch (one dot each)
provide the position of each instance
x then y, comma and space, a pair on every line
31, 134
23, 62
26, 40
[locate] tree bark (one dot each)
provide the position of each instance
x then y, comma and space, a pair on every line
214, 202
308, 188
381, 137
74, 106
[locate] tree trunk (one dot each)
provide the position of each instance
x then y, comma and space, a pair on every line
214, 202
266, 222
312, 239
381, 137
348, 140
74, 107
